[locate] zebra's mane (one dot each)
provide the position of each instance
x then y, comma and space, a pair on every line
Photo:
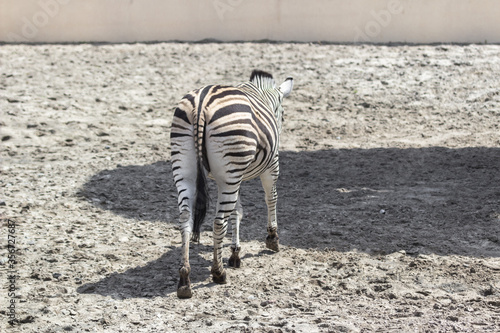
262, 79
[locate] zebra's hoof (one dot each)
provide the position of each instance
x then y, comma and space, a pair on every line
234, 261
184, 292
219, 278
184, 286
272, 243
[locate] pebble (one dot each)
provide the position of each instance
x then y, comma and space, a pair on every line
252, 312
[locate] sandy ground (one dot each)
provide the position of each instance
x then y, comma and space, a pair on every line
388, 197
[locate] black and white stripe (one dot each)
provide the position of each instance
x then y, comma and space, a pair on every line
231, 134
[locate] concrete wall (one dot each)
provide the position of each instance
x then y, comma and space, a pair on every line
378, 21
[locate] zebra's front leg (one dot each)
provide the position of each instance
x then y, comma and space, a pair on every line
227, 199
269, 179
236, 216
184, 286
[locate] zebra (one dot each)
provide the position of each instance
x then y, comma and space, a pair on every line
230, 134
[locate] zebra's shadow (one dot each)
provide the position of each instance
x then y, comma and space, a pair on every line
421, 200
156, 278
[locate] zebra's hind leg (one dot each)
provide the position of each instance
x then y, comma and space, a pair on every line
183, 163
236, 216
268, 180
227, 199
184, 286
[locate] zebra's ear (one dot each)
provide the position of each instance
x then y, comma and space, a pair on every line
286, 87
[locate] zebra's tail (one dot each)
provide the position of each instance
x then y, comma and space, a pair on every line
201, 197
201, 202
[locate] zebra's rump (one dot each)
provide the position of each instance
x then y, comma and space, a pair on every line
233, 128
241, 136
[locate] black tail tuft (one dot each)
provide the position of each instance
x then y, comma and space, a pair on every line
201, 202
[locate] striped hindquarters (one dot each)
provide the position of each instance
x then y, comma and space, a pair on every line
242, 134
229, 133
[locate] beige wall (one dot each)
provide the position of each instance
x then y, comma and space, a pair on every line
379, 21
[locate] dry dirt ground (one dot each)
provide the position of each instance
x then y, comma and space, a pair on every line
389, 191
